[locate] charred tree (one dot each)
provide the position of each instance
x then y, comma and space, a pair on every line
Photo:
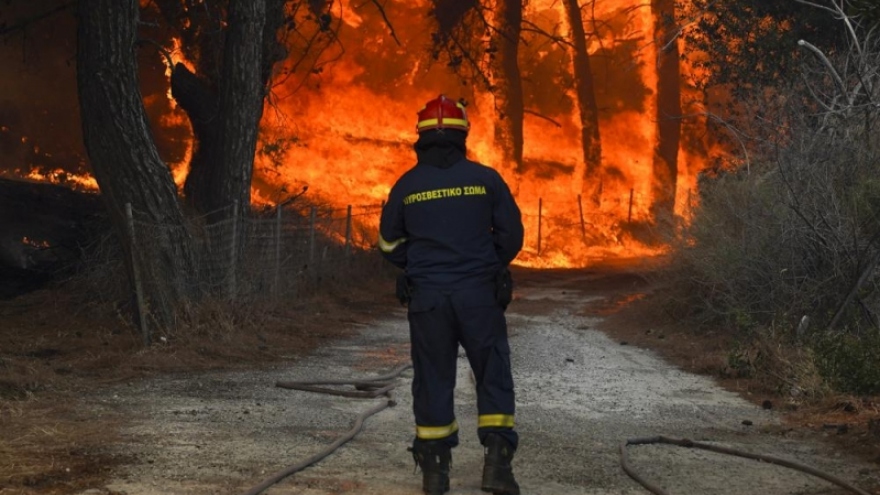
586, 95
235, 49
241, 102
463, 27
506, 81
123, 155
665, 166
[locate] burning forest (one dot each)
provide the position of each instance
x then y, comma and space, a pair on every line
582, 114
199, 185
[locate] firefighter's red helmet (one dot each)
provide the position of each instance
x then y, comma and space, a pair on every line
443, 113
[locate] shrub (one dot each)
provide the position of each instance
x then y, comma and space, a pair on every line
850, 361
794, 229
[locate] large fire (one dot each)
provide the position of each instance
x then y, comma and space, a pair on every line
350, 129
345, 129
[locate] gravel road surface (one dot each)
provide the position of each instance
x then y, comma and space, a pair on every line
579, 396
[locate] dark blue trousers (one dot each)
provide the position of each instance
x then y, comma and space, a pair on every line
440, 320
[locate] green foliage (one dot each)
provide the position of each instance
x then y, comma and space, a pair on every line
779, 362
866, 198
753, 43
850, 361
794, 231
782, 239
731, 261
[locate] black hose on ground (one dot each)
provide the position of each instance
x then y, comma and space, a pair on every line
370, 388
384, 384
653, 488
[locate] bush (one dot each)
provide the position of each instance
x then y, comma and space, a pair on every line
779, 363
793, 229
850, 362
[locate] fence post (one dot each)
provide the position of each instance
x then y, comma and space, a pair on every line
348, 232
313, 220
276, 286
136, 275
540, 208
629, 215
583, 223
233, 251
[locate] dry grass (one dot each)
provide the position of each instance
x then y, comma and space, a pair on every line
766, 370
49, 446
58, 344
787, 368
56, 347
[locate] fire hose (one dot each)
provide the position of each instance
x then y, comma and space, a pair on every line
369, 388
653, 488
384, 385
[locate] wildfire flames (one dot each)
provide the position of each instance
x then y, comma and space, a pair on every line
349, 131
346, 131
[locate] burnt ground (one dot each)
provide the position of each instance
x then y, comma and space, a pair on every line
60, 356
47, 229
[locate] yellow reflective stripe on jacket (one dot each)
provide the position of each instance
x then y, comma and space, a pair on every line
388, 247
496, 420
436, 432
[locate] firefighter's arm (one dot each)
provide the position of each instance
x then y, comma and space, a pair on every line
507, 227
392, 232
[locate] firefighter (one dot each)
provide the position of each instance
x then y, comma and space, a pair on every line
454, 227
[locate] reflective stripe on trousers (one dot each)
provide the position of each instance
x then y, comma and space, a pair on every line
439, 322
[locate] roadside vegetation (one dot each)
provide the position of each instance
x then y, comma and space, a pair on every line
782, 254
784, 246
61, 342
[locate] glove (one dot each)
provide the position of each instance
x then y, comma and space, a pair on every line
503, 287
404, 289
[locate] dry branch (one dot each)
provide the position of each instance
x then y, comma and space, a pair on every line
387, 21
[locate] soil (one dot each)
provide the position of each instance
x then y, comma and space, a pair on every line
86, 409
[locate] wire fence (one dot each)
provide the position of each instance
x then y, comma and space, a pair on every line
564, 228
277, 252
270, 253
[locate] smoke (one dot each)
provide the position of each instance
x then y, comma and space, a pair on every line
40, 128
39, 116
340, 119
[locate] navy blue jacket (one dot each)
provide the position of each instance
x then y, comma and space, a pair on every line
450, 225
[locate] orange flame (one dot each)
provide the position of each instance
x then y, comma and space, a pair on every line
348, 135
344, 124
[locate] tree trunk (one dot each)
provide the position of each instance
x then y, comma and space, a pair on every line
668, 111
507, 83
123, 156
586, 98
241, 101
201, 103
226, 121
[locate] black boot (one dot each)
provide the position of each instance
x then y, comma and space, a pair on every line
497, 472
434, 459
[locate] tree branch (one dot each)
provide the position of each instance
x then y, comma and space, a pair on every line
540, 115
840, 14
164, 51
828, 65
733, 130
4, 29
533, 28
387, 22
473, 63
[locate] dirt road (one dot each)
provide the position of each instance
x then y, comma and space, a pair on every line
579, 395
